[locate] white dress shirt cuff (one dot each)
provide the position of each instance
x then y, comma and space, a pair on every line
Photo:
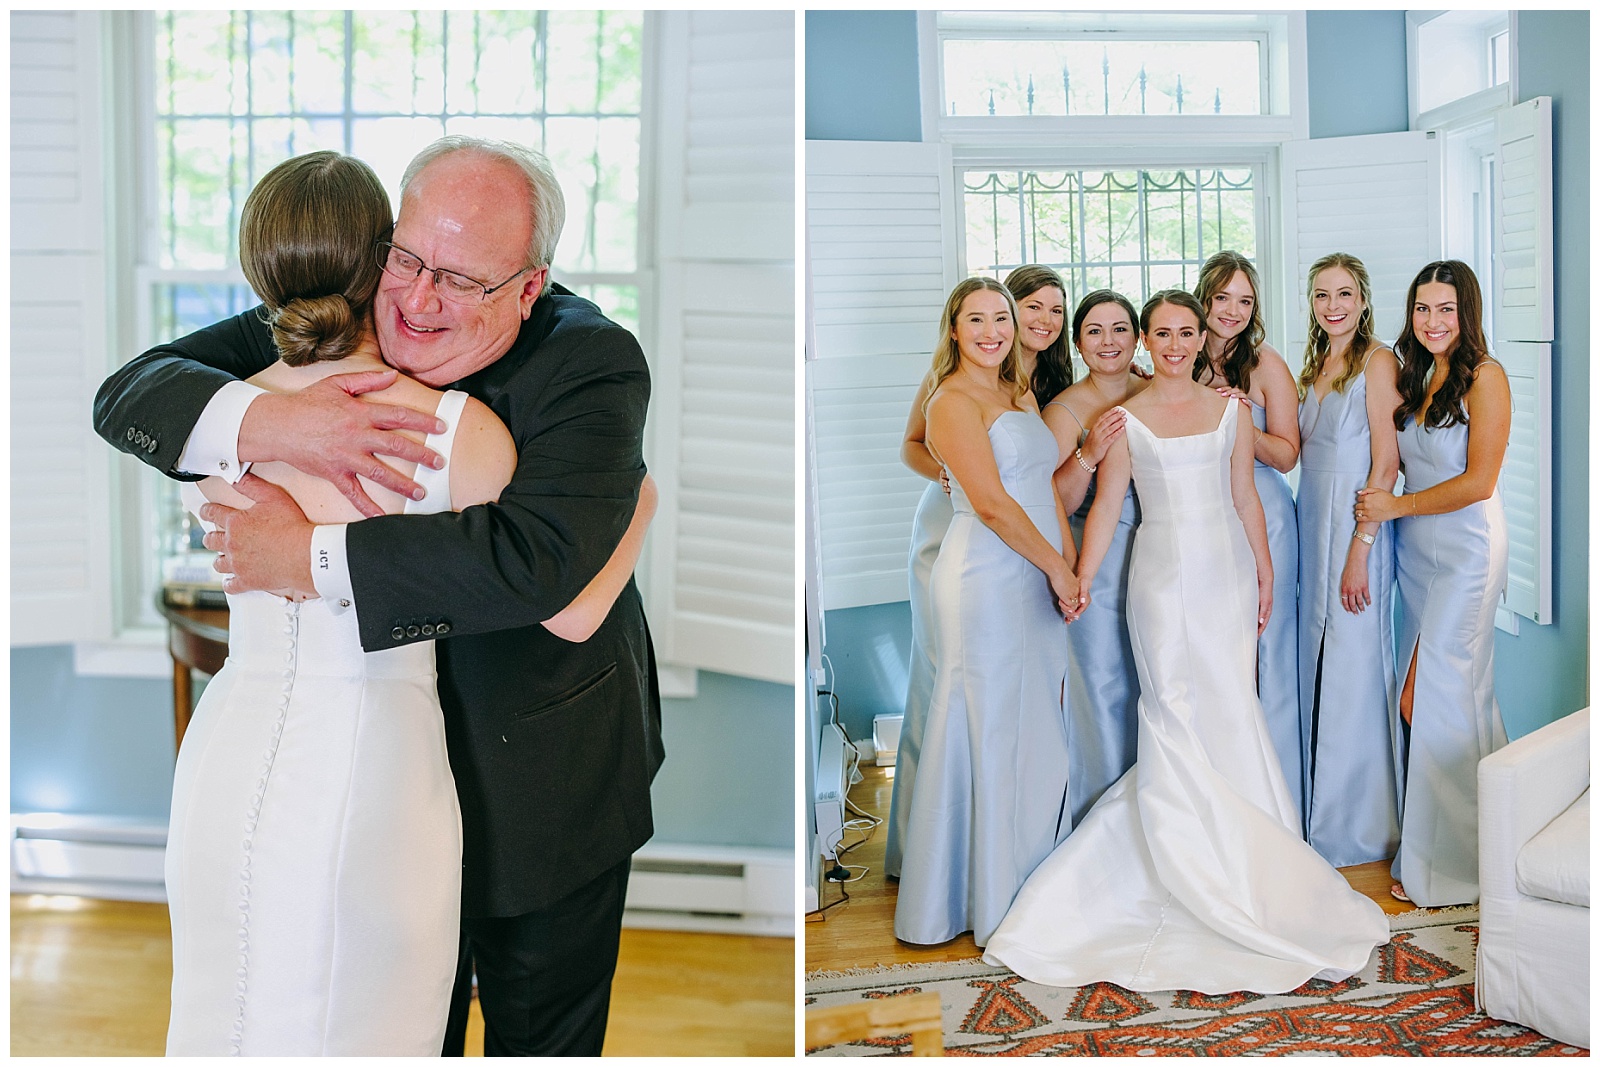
213, 444
330, 569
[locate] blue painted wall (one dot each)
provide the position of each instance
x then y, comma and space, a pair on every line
861, 76
1543, 674
103, 746
1356, 72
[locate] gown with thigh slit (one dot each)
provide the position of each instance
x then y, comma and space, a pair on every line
1451, 569
313, 860
934, 513
991, 785
1347, 680
1102, 682
1278, 660
1190, 872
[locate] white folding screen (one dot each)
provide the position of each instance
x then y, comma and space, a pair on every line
60, 471
1524, 305
1375, 197
721, 593
879, 217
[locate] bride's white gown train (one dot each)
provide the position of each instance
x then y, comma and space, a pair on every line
314, 856
1190, 873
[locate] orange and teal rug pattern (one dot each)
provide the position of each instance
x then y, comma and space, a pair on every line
1414, 998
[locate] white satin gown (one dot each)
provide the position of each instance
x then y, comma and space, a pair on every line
313, 860
1190, 873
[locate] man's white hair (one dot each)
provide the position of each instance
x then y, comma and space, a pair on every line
545, 202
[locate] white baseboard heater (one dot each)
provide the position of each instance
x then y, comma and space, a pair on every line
88, 856
712, 888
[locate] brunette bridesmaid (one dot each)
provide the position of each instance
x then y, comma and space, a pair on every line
1454, 421
1347, 676
1048, 369
1240, 363
1102, 682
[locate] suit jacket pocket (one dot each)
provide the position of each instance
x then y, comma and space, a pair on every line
569, 696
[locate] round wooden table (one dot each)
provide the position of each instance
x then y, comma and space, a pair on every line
197, 638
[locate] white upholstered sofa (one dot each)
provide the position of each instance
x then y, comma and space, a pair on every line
1533, 872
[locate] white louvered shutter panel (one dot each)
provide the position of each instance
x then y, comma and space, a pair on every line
881, 222
1376, 197
60, 521
721, 593
1524, 296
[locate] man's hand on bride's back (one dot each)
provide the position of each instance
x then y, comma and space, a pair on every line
329, 432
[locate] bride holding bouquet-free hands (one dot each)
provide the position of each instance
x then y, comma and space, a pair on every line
1189, 872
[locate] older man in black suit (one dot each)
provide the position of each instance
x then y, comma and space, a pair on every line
553, 744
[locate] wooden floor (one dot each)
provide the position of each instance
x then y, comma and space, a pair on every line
860, 931
92, 978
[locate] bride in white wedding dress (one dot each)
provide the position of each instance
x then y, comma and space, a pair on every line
1189, 873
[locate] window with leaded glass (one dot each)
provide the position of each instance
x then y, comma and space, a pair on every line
1136, 230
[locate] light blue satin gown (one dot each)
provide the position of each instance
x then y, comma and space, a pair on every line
1102, 678
1451, 569
934, 513
991, 785
1347, 679
1277, 653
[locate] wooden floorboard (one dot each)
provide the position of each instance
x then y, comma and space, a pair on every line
860, 932
93, 978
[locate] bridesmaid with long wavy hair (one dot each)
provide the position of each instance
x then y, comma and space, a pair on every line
1454, 422
1347, 677
1239, 362
992, 774
1047, 368
1102, 679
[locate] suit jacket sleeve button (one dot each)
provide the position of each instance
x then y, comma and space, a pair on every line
129, 434
151, 447
397, 633
412, 631
427, 629
442, 629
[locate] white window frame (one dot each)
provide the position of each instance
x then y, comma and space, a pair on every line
1137, 141
1494, 96
1285, 97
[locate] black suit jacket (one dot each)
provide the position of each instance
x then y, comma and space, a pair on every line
553, 744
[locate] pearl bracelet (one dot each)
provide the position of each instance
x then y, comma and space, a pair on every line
1078, 452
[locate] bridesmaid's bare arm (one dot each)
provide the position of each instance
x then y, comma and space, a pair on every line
1248, 505
914, 446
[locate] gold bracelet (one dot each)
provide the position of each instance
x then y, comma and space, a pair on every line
1078, 452
1413, 497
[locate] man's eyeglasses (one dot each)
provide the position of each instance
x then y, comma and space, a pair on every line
456, 288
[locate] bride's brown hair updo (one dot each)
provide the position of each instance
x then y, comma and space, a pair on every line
306, 239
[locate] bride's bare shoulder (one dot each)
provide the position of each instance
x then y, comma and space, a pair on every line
483, 458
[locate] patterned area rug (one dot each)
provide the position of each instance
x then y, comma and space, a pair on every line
1413, 999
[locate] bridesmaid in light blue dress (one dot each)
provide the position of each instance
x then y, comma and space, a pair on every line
990, 796
1240, 363
1102, 678
1048, 369
1454, 421
1347, 677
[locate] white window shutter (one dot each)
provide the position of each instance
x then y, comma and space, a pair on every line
60, 471
721, 589
880, 218
1524, 306
1376, 197
1524, 250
